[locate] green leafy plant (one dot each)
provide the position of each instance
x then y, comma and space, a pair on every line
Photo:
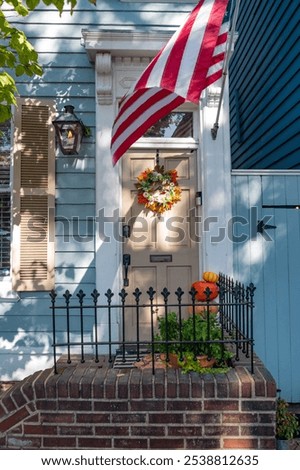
87, 131
168, 331
192, 338
287, 423
17, 55
190, 365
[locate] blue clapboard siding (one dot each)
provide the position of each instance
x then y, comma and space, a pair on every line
264, 86
273, 264
69, 78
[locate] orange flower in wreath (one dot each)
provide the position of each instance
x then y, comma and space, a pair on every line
158, 189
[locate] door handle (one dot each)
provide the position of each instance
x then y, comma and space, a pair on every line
126, 264
261, 226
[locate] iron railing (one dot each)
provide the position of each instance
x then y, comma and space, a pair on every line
75, 321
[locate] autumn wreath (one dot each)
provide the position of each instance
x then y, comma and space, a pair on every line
158, 189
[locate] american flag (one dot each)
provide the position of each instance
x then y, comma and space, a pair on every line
191, 60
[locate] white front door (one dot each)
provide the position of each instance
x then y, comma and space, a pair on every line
163, 250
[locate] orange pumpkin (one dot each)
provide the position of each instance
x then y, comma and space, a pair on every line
201, 287
209, 276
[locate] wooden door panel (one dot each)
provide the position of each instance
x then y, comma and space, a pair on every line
163, 254
181, 276
143, 226
173, 230
140, 276
144, 275
181, 162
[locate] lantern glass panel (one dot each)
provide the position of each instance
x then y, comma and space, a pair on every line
69, 132
70, 137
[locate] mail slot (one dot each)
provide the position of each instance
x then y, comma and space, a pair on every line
161, 259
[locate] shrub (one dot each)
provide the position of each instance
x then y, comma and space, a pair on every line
287, 423
192, 338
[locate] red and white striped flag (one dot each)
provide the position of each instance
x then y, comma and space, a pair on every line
191, 60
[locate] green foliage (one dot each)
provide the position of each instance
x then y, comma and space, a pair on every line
87, 131
198, 328
168, 331
7, 95
287, 423
190, 365
193, 329
17, 55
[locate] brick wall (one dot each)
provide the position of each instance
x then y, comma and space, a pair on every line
87, 406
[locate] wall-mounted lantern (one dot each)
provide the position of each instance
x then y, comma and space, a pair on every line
69, 130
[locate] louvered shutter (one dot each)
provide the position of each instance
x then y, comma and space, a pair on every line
33, 196
5, 198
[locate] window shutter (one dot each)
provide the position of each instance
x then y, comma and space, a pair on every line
33, 196
5, 130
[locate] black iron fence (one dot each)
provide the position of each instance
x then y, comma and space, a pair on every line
76, 320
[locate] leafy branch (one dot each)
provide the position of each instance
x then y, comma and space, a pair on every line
17, 55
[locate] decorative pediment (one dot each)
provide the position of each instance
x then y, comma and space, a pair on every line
120, 57
124, 43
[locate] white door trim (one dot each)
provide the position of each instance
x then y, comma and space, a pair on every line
215, 164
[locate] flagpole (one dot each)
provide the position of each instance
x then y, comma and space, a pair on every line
214, 130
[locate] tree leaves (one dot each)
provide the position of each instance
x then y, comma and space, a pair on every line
8, 90
32, 4
17, 54
18, 7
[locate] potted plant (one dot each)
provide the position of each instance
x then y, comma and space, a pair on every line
287, 425
208, 355
188, 341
